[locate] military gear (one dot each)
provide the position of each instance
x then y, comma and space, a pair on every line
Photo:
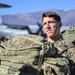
53, 66
56, 66
55, 63
69, 34
48, 50
26, 55
20, 55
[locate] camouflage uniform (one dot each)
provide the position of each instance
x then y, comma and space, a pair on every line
27, 54
67, 49
62, 61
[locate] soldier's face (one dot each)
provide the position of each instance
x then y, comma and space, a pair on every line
51, 26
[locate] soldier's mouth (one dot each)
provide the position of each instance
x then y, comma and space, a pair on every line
49, 31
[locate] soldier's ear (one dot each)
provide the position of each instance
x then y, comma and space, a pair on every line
60, 24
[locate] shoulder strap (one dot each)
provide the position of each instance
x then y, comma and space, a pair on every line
41, 56
63, 45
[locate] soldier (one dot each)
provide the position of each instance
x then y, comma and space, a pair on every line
28, 54
64, 49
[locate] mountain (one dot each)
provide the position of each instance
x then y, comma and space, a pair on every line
67, 17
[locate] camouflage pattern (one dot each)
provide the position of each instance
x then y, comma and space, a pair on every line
19, 55
56, 66
65, 54
28, 54
69, 34
55, 63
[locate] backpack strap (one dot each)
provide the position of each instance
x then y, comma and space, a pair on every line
63, 45
41, 55
47, 50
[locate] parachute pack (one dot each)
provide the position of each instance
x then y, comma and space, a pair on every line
24, 55
69, 34
19, 55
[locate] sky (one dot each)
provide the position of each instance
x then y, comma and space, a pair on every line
30, 6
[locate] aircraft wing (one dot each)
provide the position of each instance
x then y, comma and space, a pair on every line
4, 5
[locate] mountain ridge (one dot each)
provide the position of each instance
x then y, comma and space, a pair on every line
67, 17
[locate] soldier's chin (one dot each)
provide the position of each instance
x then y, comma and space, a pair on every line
50, 35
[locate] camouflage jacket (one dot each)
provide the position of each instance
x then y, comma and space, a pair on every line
20, 55
56, 56
66, 49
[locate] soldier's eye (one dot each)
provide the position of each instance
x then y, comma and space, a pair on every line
51, 22
44, 23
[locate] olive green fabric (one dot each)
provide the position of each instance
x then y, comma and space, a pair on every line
19, 55
69, 34
56, 66
55, 63
28, 54
65, 48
